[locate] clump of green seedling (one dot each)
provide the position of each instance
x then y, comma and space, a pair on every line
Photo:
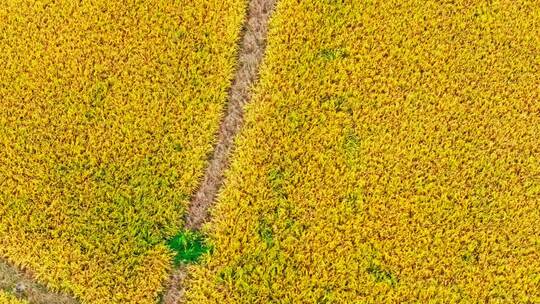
188, 247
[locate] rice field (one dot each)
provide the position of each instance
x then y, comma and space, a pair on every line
108, 111
6, 298
389, 151
391, 154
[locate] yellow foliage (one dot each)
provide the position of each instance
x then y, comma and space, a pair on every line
391, 155
6, 298
108, 110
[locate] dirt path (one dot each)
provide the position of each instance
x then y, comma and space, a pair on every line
251, 53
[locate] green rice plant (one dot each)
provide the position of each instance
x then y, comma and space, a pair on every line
188, 247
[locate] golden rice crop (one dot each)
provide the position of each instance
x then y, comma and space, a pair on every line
391, 155
108, 110
6, 298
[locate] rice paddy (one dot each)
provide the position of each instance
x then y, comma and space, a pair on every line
108, 111
389, 151
391, 154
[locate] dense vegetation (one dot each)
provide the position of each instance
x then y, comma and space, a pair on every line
391, 155
7, 298
108, 111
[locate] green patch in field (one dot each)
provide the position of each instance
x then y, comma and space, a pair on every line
327, 297
97, 96
277, 180
332, 54
180, 34
178, 147
381, 275
471, 254
353, 201
351, 144
266, 233
296, 121
188, 247
470, 257
336, 103
89, 115
352, 141
100, 90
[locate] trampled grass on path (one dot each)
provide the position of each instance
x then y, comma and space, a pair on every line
108, 111
391, 155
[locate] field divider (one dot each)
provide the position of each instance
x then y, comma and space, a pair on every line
251, 52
